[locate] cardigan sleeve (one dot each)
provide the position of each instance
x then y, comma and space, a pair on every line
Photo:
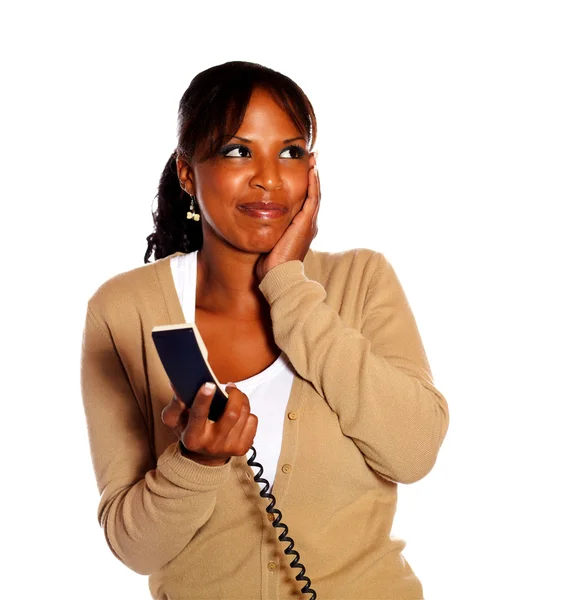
148, 511
378, 380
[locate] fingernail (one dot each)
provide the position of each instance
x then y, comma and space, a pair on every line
208, 388
231, 383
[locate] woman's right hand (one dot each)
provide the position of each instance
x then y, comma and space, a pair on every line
212, 442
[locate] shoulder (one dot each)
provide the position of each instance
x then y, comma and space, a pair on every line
129, 289
360, 263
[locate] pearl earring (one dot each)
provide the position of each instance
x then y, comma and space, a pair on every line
191, 214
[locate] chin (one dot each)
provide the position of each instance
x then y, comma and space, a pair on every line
260, 248
262, 243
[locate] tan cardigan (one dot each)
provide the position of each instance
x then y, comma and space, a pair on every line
363, 415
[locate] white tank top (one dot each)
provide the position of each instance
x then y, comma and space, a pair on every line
268, 391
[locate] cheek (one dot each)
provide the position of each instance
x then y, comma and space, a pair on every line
298, 185
219, 185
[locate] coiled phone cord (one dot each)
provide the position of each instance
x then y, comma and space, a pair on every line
283, 537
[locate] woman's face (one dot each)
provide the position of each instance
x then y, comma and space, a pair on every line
266, 161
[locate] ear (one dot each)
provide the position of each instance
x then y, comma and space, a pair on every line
185, 175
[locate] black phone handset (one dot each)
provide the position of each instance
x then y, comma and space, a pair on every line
185, 359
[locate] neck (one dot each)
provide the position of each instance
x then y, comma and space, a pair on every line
227, 283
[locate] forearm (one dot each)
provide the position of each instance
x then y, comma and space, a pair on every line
378, 382
151, 522
149, 509
397, 421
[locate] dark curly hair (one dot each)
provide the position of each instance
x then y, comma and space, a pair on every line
211, 108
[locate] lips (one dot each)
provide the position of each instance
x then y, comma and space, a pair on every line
263, 210
263, 206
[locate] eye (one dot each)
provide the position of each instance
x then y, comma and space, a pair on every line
295, 151
236, 151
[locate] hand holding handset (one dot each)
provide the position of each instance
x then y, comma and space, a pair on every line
185, 360
212, 427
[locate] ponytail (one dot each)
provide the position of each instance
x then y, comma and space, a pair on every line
173, 232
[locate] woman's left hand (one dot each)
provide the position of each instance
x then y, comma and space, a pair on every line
295, 242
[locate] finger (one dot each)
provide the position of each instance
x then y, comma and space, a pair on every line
318, 192
317, 172
319, 197
231, 414
199, 411
181, 402
248, 434
173, 411
233, 437
314, 194
310, 200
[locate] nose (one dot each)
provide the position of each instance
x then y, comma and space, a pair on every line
267, 175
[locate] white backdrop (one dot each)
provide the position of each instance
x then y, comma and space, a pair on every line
450, 140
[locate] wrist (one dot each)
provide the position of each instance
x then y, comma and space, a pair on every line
199, 458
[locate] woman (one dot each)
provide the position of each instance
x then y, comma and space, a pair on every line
332, 385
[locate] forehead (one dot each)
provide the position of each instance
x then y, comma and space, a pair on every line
265, 118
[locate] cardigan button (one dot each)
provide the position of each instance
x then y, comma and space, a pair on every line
286, 469
271, 565
292, 416
271, 517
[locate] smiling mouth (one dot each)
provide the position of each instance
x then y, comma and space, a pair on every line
263, 213
264, 206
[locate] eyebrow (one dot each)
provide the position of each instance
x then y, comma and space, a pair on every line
251, 141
